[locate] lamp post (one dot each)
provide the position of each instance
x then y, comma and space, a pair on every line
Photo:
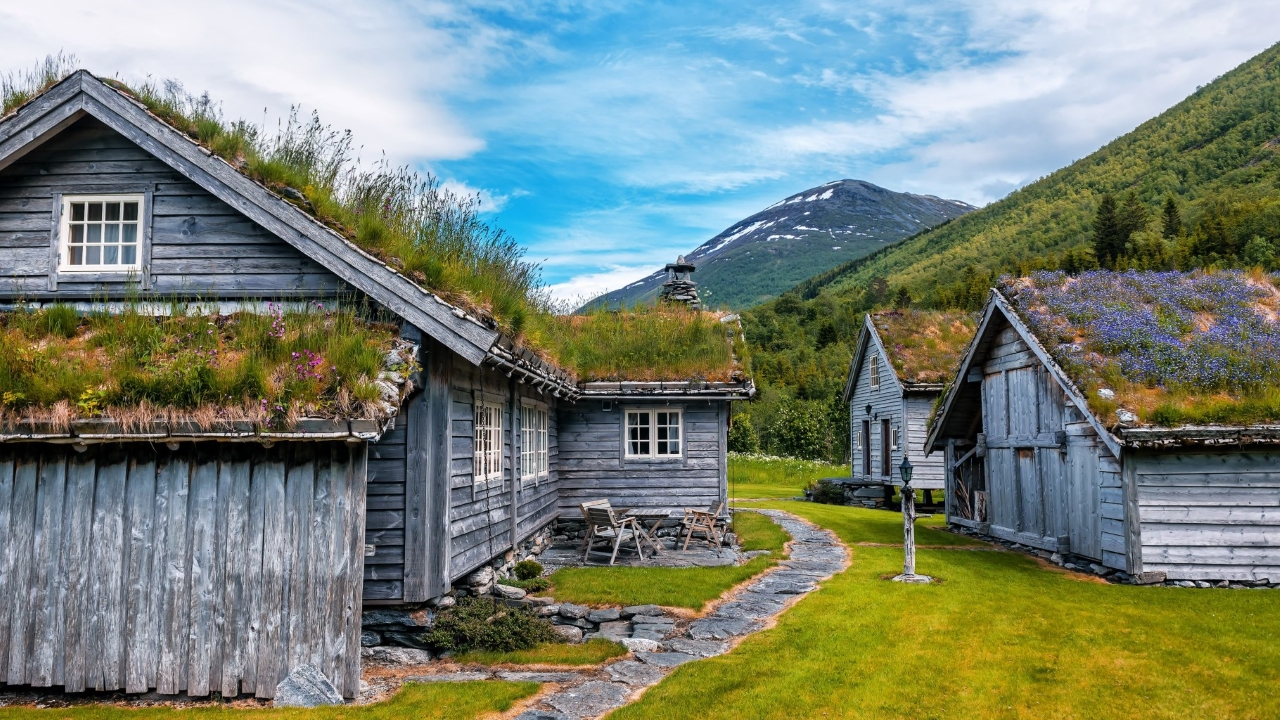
909, 527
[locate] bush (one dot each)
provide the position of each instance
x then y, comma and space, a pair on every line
742, 435
482, 624
826, 492
528, 569
533, 585
799, 431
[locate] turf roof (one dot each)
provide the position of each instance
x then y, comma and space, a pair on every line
924, 346
1162, 349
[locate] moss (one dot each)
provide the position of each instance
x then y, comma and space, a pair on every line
925, 346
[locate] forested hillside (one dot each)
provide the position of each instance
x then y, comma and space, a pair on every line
1197, 186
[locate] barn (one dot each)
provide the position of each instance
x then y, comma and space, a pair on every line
1122, 418
149, 548
900, 365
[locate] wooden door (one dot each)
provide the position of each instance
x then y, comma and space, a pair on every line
1083, 511
886, 452
866, 448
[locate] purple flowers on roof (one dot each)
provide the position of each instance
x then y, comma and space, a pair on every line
1200, 330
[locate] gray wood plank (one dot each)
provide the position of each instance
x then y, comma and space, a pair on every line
275, 546
171, 670
7, 463
46, 628
19, 562
75, 565
146, 508
233, 483
205, 578
416, 571
104, 633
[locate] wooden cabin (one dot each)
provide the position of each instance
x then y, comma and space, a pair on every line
900, 364
180, 558
1031, 460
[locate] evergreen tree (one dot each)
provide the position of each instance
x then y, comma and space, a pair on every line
1171, 219
1133, 219
1108, 242
903, 299
877, 291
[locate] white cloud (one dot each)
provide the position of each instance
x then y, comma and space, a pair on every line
584, 287
490, 201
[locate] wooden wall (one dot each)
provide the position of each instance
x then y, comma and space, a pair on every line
930, 471
889, 401
212, 568
200, 245
592, 466
1208, 515
384, 514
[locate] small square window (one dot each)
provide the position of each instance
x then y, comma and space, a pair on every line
100, 233
654, 433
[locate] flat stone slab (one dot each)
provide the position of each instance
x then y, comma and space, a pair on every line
665, 659
542, 677
541, 715
634, 673
700, 648
306, 687
616, 630
590, 699
650, 632
717, 628
604, 615
632, 610
449, 677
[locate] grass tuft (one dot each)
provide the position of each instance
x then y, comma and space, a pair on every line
925, 346
766, 476
591, 652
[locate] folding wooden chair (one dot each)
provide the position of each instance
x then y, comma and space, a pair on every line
607, 527
707, 522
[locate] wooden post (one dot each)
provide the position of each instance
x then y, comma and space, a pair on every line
909, 531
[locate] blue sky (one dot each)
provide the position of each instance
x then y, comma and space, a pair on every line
610, 136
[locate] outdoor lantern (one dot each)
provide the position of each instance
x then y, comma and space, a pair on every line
905, 468
909, 528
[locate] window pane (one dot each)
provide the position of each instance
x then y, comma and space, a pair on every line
77, 233
131, 211
77, 256
129, 233
111, 255
95, 212
129, 254
113, 212
77, 212
111, 233
95, 233
93, 255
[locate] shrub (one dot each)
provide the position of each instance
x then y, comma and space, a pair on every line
826, 492
482, 624
742, 435
533, 585
528, 569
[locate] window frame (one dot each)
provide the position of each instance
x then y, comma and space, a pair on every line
875, 370
487, 451
63, 265
535, 444
895, 438
652, 413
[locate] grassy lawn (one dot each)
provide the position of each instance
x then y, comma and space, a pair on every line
688, 588
430, 701
1001, 636
760, 476
591, 652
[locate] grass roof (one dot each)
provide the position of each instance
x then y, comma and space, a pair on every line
924, 346
57, 366
645, 344
1162, 349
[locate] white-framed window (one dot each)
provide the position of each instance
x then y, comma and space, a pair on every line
533, 442
875, 371
101, 233
655, 433
894, 441
488, 460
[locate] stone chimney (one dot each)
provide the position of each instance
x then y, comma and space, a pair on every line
679, 288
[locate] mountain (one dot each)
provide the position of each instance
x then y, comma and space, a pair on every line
1217, 153
807, 233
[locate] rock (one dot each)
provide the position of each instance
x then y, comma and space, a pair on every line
634, 673
1126, 416
541, 715
605, 615
700, 648
398, 655
407, 639
1099, 569
306, 687
570, 633
652, 620
369, 638
590, 699
1055, 558
540, 677
560, 620
447, 601
1106, 393
616, 630
714, 628
546, 610
633, 610
656, 633
1222, 584
665, 659
449, 677
481, 577
1149, 577
1185, 584
570, 610
403, 618
509, 592
637, 644
1202, 584
541, 602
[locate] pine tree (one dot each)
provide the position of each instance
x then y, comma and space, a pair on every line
1133, 219
1107, 240
1171, 220
902, 299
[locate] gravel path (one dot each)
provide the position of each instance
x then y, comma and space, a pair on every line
816, 555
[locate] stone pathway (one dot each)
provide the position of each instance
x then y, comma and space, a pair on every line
816, 555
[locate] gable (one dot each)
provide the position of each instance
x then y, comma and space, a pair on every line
46, 116
199, 245
869, 347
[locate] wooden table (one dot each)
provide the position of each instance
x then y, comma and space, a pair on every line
643, 518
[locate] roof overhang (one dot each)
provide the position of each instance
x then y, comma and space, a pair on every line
1200, 436
868, 338
90, 432
668, 390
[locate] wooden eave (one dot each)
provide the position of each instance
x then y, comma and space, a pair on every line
868, 338
956, 401
96, 431
669, 390
1199, 435
84, 94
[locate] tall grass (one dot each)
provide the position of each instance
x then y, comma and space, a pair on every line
645, 343
57, 366
18, 87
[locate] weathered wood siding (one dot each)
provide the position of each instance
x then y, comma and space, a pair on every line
592, 466
909, 413
200, 246
930, 471
385, 514
481, 520
1209, 515
212, 568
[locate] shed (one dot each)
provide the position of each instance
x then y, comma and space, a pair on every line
459, 466
900, 364
1076, 423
